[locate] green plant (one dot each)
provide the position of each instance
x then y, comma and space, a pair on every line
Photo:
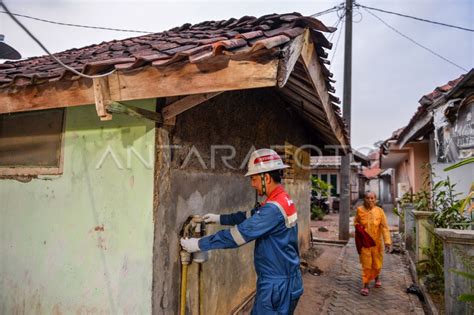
460, 163
449, 209
467, 203
320, 187
422, 199
316, 213
431, 269
398, 212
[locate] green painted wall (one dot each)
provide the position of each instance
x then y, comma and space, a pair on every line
82, 242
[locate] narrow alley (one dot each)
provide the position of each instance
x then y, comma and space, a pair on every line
333, 287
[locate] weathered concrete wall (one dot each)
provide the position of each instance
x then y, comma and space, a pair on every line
81, 243
458, 252
409, 227
201, 182
298, 190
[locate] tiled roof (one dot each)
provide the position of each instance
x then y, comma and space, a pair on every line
427, 100
188, 43
373, 171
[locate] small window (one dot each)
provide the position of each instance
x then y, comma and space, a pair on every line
31, 143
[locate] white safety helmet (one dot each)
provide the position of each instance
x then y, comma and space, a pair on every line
263, 161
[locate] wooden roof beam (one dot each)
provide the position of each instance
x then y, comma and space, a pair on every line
291, 52
119, 108
102, 97
186, 103
150, 82
313, 68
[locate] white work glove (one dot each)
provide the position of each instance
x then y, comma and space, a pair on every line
191, 245
212, 218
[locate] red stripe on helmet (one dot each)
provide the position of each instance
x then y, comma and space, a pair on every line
266, 158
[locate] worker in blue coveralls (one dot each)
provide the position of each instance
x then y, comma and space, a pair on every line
273, 226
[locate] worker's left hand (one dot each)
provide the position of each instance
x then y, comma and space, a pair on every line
387, 248
191, 245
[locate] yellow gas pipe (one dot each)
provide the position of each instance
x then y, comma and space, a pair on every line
194, 227
185, 260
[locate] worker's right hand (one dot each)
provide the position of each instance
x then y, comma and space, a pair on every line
212, 218
191, 245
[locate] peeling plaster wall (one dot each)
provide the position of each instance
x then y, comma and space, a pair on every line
461, 176
81, 243
200, 182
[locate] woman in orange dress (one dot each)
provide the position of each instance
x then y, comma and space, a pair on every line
373, 219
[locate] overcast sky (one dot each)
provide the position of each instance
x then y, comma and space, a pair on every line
390, 73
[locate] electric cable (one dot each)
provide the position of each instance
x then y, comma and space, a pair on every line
335, 47
330, 10
413, 17
76, 25
336, 25
47, 51
415, 42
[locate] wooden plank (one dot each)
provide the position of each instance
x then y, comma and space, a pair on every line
314, 70
118, 108
305, 94
101, 97
189, 79
321, 125
48, 95
309, 104
186, 103
291, 53
149, 82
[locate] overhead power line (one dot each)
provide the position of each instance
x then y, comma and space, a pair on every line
75, 25
337, 42
415, 42
414, 17
330, 10
47, 51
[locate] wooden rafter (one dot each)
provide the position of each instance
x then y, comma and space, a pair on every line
186, 103
313, 68
118, 108
102, 97
290, 53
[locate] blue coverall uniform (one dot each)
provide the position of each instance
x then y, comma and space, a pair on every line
273, 227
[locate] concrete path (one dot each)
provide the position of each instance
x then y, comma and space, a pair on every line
390, 299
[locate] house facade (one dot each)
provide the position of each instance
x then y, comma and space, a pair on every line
98, 175
328, 169
440, 134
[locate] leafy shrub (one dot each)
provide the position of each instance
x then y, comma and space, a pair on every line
316, 213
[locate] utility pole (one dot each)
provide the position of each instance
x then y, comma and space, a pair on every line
345, 204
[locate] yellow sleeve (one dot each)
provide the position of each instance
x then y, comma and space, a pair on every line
385, 229
357, 218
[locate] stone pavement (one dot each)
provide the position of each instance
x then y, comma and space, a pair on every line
390, 299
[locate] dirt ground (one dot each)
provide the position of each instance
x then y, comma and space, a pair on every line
329, 222
319, 259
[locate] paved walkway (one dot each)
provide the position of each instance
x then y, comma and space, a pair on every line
390, 299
